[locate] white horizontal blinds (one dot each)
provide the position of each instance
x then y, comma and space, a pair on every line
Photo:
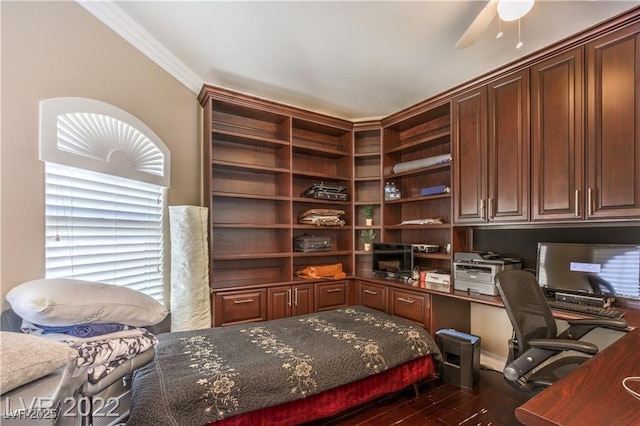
104, 228
623, 270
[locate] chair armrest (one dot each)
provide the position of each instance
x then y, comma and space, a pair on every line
615, 324
564, 345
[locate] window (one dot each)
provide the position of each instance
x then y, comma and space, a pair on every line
104, 228
105, 185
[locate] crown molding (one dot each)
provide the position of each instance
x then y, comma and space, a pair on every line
123, 25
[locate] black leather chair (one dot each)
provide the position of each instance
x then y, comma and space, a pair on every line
538, 355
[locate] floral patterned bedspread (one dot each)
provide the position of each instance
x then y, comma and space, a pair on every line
199, 377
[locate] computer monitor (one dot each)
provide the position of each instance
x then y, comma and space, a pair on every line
392, 259
611, 270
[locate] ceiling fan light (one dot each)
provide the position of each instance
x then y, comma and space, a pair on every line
510, 10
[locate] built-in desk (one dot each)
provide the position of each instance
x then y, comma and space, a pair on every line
450, 309
593, 393
590, 395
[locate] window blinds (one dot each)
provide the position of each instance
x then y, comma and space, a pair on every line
104, 228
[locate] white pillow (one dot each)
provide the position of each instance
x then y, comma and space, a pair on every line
62, 302
26, 358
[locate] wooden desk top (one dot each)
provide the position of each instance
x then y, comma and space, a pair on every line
631, 315
593, 393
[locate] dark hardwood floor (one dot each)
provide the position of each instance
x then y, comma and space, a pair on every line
491, 402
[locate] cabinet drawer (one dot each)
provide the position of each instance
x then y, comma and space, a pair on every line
241, 306
331, 295
373, 296
410, 305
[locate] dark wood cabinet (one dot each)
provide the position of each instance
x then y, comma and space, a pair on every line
613, 132
491, 145
552, 138
557, 137
586, 165
508, 149
411, 305
287, 301
371, 295
331, 295
470, 151
234, 307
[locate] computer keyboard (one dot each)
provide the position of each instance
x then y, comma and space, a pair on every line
585, 309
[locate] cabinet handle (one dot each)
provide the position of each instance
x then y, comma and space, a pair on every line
295, 297
490, 208
577, 202
370, 292
482, 208
589, 201
289, 297
334, 290
402, 299
238, 302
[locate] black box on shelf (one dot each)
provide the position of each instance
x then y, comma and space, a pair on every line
461, 357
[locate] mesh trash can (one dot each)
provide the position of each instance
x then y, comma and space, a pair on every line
461, 357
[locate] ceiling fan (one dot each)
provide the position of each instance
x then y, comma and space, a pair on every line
507, 10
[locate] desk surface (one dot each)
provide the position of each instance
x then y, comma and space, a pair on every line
593, 393
632, 316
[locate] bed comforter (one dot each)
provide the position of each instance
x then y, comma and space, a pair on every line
199, 377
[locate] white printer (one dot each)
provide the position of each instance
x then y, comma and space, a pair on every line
475, 272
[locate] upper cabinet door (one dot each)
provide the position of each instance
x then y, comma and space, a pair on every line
508, 149
491, 145
557, 121
470, 150
613, 108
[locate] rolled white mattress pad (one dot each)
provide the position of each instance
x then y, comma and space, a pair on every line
420, 163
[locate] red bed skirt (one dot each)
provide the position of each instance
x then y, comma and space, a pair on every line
334, 401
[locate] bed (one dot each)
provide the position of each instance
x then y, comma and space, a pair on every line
78, 316
284, 371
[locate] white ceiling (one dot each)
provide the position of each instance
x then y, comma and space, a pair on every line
354, 60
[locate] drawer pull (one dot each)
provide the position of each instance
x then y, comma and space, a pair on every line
402, 299
334, 290
370, 292
238, 302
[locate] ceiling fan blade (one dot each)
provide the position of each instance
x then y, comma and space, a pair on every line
479, 25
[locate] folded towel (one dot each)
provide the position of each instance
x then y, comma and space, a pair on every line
83, 330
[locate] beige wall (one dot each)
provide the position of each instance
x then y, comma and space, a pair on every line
53, 49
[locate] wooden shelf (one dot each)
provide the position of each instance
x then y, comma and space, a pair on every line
249, 167
248, 139
250, 196
318, 201
321, 176
251, 225
420, 198
320, 151
249, 256
323, 253
418, 142
433, 226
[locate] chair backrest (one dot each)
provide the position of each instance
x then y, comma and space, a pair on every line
526, 307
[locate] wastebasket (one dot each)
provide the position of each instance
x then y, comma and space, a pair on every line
461, 357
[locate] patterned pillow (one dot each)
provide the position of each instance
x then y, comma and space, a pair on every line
26, 358
63, 302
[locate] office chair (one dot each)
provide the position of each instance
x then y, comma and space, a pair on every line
538, 355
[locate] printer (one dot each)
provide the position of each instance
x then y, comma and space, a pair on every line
475, 272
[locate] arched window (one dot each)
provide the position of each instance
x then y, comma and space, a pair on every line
106, 175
